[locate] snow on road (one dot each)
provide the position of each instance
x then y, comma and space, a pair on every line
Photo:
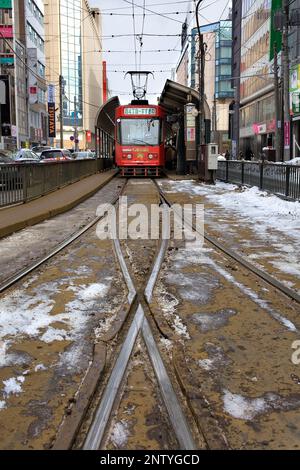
266, 211
273, 224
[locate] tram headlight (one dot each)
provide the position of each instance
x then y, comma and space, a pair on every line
151, 156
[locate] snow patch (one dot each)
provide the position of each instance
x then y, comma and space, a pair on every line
93, 292
216, 359
12, 386
167, 344
246, 408
40, 367
243, 408
53, 334
211, 321
120, 434
253, 296
168, 304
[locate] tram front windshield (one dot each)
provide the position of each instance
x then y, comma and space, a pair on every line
139, 131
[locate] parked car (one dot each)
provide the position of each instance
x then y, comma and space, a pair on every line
38, 149
25, 156
84, 155
294, 161
55, 155
10, 177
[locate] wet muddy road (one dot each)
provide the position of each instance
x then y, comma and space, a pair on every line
223, 334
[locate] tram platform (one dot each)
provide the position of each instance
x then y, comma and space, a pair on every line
20, 216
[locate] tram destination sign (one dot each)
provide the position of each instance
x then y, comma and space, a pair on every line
140, 111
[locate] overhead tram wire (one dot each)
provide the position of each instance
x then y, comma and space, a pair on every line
149, 14
134, 32
150, 5
42, 79
152, 11
141, 37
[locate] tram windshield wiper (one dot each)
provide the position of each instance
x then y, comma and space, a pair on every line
143, 142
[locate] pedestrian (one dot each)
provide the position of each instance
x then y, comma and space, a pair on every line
227, 154
249, 154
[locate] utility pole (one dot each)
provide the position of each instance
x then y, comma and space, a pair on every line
61, 112
214, 119
285, 80
201, 67
278, 130
75, 125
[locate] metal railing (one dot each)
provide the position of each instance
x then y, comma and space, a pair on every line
24, 182
278, 179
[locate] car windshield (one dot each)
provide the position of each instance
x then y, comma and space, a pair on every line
39, 149
6, 157
139, 132
25, 155
83, 154
52, 154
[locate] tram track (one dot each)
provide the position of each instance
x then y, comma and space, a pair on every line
15, 278
141, 324
240, 259
135, 318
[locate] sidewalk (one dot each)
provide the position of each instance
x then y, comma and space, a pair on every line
172, 175
18, 217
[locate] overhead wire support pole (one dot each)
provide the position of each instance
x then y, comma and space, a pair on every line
201, 65
278, 128
285, 77
61, 110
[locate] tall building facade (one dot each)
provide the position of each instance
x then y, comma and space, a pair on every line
294, 47
73, 51
36, 60
13, 72
22, 60
235, 74
217, 81
257, 106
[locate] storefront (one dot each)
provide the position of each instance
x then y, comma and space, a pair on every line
257, 125
295, 108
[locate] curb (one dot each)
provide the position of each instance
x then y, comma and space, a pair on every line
72, 421
15, 227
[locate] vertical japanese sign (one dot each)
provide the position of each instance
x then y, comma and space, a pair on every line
190, 131
287, 135
275, 36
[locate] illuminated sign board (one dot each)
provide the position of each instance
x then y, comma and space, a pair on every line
140, 111
6, 31
6, 4
51, 120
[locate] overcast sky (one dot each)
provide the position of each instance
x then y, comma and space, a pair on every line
121, 22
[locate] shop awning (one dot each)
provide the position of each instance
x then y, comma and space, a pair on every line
105, 118
175, 96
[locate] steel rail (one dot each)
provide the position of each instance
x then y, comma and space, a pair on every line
245, 263
140, 323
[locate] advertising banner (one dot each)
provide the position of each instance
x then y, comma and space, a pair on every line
276, 36
52, 120
295, 89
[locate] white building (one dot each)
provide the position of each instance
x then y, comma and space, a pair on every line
35, 43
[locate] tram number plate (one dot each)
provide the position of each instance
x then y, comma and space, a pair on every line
140, 111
